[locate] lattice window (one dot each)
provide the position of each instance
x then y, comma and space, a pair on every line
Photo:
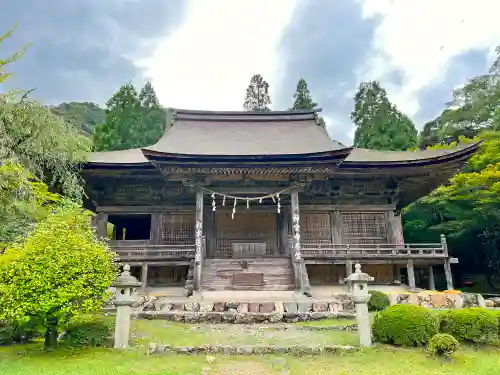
315, 227
178, 229
364, 227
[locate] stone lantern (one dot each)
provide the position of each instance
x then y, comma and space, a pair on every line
358, 291
125, 285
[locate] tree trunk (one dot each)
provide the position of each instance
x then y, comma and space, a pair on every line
51, 334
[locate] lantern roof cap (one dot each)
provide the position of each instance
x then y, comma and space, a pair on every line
359, 276
126, 280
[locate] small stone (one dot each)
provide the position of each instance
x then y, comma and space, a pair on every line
244, 350
244, 318
275, 317
192, 307
214, 317
290, 307
206, 306
267, 307
242, 308
320, 307
228, 317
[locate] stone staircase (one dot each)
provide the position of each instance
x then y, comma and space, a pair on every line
272, 274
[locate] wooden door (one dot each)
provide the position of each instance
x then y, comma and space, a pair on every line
248, 234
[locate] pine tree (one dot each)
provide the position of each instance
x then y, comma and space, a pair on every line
148, 96
302, 99
379, 123
257, 95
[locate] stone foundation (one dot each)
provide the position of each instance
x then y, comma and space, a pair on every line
296, 350
215, 317
438, 300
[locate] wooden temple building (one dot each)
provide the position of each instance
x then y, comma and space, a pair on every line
264, 201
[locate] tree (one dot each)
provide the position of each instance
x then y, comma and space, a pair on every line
379, 124
257, 96
60, 270
155, 116
10, 59
44, 144
131, 120
85, 115
302, 99
475, 108
24, 200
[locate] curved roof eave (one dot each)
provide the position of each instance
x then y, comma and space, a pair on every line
365, 158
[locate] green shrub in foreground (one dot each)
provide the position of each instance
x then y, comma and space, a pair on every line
405, 325
378, 301
87, 331
17, 333
470, 324
442, 344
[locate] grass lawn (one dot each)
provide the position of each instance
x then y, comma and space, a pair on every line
29, 359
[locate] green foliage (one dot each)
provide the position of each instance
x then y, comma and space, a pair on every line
378, 301
302, 99
60, 270
131, 120
13, 333
405, 325
379, 124
470, 324
257, 96
23, 201
84, 115
88, 331
10, 59
443, 344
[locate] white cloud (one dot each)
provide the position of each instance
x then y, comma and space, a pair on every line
207, 63
420, 38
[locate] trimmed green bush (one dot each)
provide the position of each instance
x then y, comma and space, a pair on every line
405, 325
17, 333
87, 331
378, 301
443, 344
470, 324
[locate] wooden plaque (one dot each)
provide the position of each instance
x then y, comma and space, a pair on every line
248, 279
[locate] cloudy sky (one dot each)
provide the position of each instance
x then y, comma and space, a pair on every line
200, 54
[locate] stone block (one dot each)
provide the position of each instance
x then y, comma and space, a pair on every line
232, 305
219, 306
206, 306
335, 307
304, 307
177, 307
267, 307
320, 306
192, 307
291, 307
279, 308
253, 307
242, 308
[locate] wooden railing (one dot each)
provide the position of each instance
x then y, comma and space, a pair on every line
144, 250
311, 250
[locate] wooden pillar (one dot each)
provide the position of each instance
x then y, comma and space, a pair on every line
283, 231
156, 227
102, 225
448, 275
391, 238
348, 268
336, 227
297, 255
398, 230
144, 277
210, 232
411, 275
432, 283
198, 238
